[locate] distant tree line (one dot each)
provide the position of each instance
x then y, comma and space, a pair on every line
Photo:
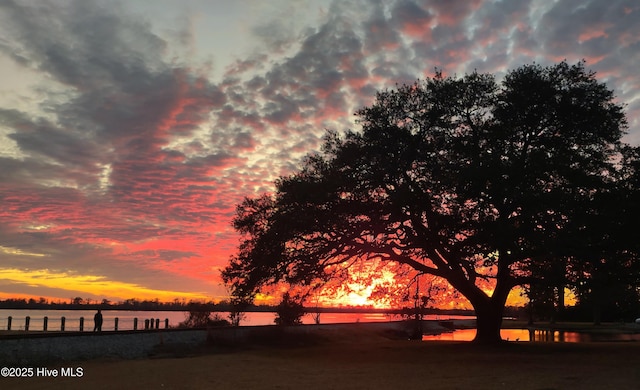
545, 305
209, 306
79, 303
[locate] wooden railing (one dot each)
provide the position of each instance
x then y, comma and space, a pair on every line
145, 324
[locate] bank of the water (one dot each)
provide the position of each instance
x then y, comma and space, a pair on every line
360, 359
43, 347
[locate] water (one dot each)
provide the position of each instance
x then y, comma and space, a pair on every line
126, 318
537, 335
72, 319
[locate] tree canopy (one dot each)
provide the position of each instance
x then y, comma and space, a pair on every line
466, 179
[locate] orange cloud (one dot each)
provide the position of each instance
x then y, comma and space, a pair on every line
94, 284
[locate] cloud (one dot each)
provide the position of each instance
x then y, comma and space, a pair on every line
77, 285
123, 110
129, 159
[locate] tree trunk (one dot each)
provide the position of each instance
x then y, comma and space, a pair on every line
488, 322
489, 309
560, 308
597, 299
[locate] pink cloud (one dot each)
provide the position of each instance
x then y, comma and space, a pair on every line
452, 13
593, 32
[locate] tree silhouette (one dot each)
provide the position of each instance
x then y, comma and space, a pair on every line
462, 178
289, 311
608, 275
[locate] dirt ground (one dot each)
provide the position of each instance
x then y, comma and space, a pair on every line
362, 362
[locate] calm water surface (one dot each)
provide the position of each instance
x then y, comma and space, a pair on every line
126, 318
537, 335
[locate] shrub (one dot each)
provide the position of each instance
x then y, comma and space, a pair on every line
289, 311
202, 319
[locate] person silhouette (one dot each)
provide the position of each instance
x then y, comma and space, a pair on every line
97, 322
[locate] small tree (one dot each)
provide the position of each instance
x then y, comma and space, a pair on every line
316, 313
289, 311
196, 319
200, 316
237, 310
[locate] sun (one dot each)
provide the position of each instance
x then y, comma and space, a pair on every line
355, 299
363, 289
356, 295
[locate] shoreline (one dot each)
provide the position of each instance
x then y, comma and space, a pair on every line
429, 327
355, 357
33, 346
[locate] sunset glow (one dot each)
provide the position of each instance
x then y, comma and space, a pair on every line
96, 286
129, 131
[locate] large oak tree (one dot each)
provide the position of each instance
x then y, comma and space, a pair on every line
466, 179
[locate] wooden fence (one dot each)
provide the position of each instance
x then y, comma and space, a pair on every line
145, 324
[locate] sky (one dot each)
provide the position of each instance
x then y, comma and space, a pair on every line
130, 130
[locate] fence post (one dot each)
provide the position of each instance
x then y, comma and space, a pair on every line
166, 323
157, 323
150, 323
81, 324
27, 320
135, 323
116, 326
45, 323
9, 319
146, 324
62, 321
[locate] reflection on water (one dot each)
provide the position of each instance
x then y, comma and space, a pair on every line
542, 335
537, 335
126, 318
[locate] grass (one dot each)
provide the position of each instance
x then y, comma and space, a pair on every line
355, 359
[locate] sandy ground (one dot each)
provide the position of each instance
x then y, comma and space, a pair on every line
361, 361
